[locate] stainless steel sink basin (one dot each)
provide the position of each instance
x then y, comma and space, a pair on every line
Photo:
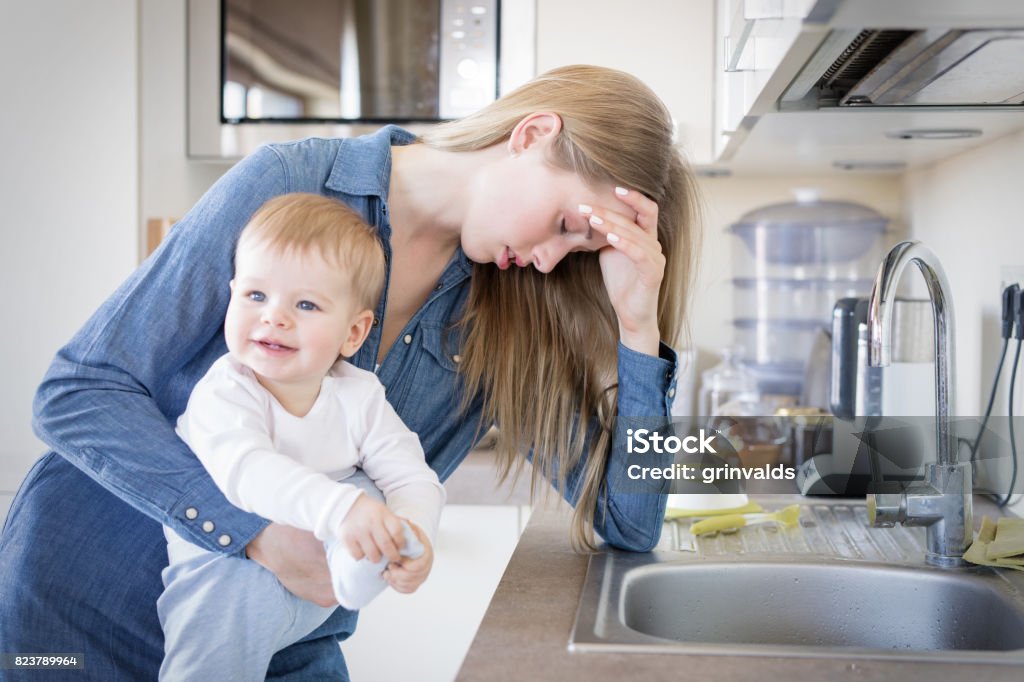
874, 607
759, 599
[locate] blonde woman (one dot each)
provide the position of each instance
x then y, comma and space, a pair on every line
539, 255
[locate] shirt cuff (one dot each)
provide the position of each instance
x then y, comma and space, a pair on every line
204, 517
647, 384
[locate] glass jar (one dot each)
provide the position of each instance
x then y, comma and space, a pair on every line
752, 429
726, 381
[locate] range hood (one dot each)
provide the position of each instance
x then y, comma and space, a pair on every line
901, 67
924, 53
857, 78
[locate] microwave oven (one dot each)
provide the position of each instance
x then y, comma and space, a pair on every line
273, 70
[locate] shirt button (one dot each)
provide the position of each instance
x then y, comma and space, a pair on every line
407, 339
671, 392
208, 526
376, 321
457, 359
224, 540
191, 513
439, 286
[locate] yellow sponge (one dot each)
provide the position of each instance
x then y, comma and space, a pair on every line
999, 544
787, 517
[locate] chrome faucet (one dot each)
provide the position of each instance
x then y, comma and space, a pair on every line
942, 502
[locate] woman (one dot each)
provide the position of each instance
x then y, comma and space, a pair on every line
497, 310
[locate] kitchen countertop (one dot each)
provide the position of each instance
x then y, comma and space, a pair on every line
525, 632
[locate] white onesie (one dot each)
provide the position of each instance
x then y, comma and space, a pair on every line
291, 470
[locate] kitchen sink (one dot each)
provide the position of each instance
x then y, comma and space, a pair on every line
831, 587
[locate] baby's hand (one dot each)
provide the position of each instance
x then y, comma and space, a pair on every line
370, 530
409, 574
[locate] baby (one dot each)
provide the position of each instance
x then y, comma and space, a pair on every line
291, 432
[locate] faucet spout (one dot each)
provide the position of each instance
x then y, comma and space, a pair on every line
879, 327
943, 502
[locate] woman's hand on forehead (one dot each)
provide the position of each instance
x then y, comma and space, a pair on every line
633, 266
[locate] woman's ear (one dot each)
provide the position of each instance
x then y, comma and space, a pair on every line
540, 127
359, 329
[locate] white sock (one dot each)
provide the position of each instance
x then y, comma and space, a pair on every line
356, 583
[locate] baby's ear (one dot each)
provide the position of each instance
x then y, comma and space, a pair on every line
359, 329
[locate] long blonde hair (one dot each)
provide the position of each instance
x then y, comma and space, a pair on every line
540, 349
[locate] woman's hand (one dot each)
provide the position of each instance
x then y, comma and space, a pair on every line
298, 560
633, 267
409, 574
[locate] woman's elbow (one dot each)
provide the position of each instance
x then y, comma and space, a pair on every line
45, 407
64, 394
631, 539
52, 413
646, 544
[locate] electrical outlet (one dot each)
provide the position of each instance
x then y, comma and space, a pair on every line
1014, 274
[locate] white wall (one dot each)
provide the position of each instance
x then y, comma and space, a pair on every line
969, 210
68, 188
169, 183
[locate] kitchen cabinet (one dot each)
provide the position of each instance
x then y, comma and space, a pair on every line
751, 38
665, 43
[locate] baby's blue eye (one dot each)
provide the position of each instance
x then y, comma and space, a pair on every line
307, 305
257, 296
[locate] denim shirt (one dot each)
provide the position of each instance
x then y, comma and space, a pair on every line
110, 399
